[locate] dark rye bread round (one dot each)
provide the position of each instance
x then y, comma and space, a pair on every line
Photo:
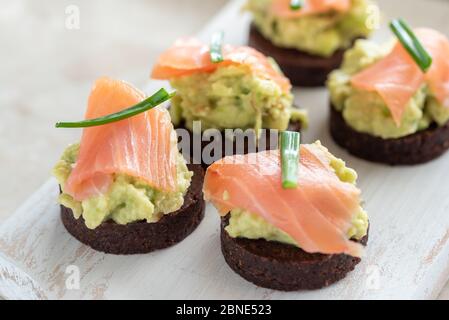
190, 153
284, 267
142, 237
417, 148
301, 68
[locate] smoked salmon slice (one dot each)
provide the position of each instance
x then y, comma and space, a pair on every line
437, 77
281, 8
397, 77
189, 56
140, 146
317, 214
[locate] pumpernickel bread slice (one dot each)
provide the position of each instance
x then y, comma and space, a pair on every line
417, 148
281, 266
142, 237
301, 68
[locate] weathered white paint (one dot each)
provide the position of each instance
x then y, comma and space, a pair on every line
407, 257
15, 284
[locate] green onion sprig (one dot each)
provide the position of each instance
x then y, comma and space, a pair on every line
156, 99
290, 144
216, 47
296, 4
411, 43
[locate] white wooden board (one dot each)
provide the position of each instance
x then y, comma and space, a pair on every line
407, 257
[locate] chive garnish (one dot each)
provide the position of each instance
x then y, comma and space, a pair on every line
156, 99
296, 4
411, 43
290, 144
216, 46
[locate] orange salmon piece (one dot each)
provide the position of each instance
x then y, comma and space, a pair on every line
397, 77
281, 8
190, 56
317, 214
437, 76
139, 146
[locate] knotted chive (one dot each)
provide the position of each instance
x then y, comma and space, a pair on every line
411, 43
290, 144
156, 99
216, 47
296, 4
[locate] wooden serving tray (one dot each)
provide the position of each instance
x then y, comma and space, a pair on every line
407, 256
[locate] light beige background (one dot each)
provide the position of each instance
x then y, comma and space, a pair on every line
47, 69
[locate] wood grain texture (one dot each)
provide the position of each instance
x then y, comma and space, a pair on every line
408, 254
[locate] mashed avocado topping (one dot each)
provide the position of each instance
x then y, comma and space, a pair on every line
232, 97
366, 111
318, 34
128, 200
244, 224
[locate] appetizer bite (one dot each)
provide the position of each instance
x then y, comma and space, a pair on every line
390, 103
308, 37
224, 87
288, 233
125, 188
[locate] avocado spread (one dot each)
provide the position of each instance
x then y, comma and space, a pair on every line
366, 111
232, 97
128, 200
244, 224
318, 34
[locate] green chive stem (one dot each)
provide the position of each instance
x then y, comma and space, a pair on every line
290, 145
296, 4
216, 47
156, 99
411, 43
